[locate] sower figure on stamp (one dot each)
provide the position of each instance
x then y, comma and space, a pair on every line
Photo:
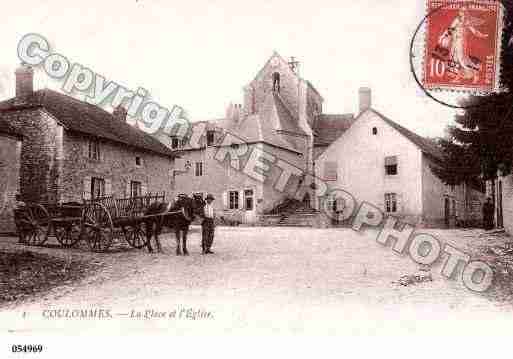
208, 226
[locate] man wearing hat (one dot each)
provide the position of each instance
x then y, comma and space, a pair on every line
207, 226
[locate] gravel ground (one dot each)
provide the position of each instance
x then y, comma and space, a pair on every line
263, 280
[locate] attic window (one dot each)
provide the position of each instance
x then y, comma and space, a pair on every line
138, 161
210, 138
374, 130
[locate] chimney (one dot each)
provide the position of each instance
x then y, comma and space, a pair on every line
24, 81
237, 111
229, 110
365, 98
234, 112
120, 113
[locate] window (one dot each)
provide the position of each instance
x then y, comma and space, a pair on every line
276, 82
210, 138
185, 140
391, 165
138, 161
97, 187
248, 200
199, 169
330, 171
374, 131
235, 163
175, 142
390, 202
234, 200
135, 189
94, 150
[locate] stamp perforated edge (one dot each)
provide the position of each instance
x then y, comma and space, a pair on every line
497, 86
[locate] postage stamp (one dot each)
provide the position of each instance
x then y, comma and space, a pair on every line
463, 45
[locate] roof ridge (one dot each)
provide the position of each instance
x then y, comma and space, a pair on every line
409, 134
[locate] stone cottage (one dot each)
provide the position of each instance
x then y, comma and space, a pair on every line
74, 150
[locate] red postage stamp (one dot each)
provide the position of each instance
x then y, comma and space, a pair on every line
463, 45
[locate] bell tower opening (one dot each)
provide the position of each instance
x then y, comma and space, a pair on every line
276, 82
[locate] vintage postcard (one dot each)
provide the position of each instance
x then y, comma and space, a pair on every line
173, 174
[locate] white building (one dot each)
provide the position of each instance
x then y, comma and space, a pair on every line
378, 161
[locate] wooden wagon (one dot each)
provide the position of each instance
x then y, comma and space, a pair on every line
99, 222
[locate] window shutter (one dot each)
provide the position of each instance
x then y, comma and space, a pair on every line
87, 188
108, 187
144, 188
225, 199
241, 200
86, 148
127, 190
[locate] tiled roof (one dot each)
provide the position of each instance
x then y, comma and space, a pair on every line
263, 127
426, 146
89, 119
330, 127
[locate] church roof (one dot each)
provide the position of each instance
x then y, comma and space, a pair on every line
329, 127
272, 125
89, 119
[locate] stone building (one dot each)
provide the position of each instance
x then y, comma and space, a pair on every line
383, 163
73, 149
10, 154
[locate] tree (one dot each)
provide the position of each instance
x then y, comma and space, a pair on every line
481, 142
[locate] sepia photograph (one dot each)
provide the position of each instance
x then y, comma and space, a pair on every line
186, 171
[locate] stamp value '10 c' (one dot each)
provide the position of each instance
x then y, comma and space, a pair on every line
463, 44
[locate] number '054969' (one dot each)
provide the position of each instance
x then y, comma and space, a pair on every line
18, 348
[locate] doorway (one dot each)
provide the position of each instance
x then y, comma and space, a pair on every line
447, 211
500, 223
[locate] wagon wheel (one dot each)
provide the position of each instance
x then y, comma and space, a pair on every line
135, 234
68, 234
97, 227
34, 223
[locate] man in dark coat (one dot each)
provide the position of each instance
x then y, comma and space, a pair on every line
488, 212
207, 226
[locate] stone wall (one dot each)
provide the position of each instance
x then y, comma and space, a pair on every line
10, 153
39, 171
256, 92
117, 166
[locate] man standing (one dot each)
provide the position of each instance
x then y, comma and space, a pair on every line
488, 212
207, 226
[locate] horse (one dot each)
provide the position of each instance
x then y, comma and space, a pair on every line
185, 209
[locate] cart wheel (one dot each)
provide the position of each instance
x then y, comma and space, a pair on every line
97, 228
33, 224
135, 235
68, 235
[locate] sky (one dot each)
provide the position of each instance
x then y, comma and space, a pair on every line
200, 54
